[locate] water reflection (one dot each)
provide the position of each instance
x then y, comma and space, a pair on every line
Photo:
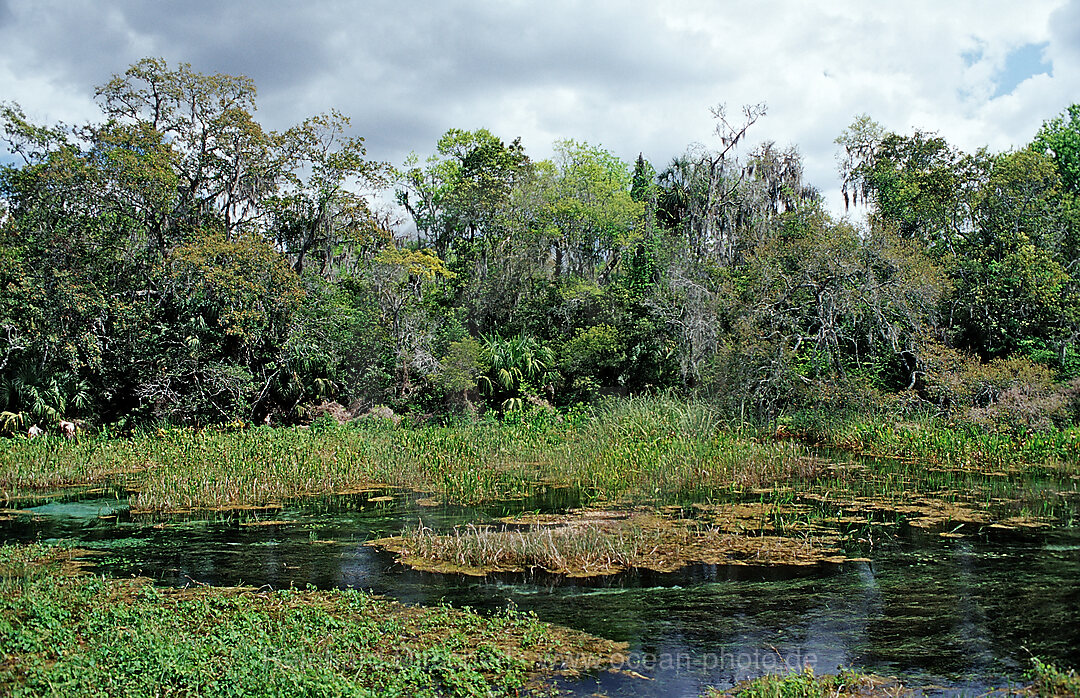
961, 613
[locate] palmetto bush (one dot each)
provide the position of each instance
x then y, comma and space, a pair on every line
516, 369
31, 398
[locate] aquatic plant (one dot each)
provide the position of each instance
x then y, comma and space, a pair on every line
594, 542
1048, 681
805, 684
655, 450
63, 632
637, 451
555, 548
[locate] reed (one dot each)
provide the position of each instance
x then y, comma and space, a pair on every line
553, 548
633, 451
641, 450
805, 684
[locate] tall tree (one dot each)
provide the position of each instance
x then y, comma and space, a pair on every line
1060, 139
321, 207
459, 195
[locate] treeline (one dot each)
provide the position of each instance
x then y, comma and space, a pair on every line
178, 262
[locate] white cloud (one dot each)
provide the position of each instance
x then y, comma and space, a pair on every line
634, 76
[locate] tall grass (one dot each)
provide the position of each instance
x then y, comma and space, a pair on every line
1050, 681
632, 450
654, 450
554, 548
805, 684
938, 441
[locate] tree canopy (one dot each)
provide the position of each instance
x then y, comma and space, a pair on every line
177, 261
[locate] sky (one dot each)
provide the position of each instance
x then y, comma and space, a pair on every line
632, 76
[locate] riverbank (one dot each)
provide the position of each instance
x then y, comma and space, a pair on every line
652, 451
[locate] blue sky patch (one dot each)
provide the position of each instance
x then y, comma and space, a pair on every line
1020, 65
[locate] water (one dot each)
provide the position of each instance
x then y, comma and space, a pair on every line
961, 614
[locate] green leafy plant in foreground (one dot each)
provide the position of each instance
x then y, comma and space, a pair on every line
65, 632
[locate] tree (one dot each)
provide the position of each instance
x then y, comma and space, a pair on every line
1013, 287
136, 251
697, 189
516, 370
928, 190
1059, 138
459, 196
818, 303
222, 155
320, 207
589, 215
401, 280
229, 310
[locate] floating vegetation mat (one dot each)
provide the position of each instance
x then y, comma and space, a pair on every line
589, 543
938, 513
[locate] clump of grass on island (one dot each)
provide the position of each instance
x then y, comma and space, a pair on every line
592, 543
806, 684
66, 632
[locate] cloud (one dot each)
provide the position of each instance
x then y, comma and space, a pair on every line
633, 76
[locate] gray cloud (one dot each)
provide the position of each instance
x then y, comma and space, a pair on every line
634, 76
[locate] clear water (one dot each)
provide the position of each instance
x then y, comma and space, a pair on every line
949, 614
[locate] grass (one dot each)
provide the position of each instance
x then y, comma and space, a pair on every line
640, 450
653, 450
65, 632
806, 684
1049, 681
592, 543
937, 441
556, 549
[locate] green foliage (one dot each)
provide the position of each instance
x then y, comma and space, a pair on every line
178, 261
31, 398
461, 366
817, 307
516, 371
805, 684
589, 213
460, 196
1003, 228
1050, 681
85, 635
1006, 395
1061, 136
593, 359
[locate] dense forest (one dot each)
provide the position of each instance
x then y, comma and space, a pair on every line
176, 262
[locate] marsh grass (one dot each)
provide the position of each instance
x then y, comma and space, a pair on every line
582, 548
592, 542
81, 634
939, 442
641, 450
636, 450
1048, 680
806, 684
